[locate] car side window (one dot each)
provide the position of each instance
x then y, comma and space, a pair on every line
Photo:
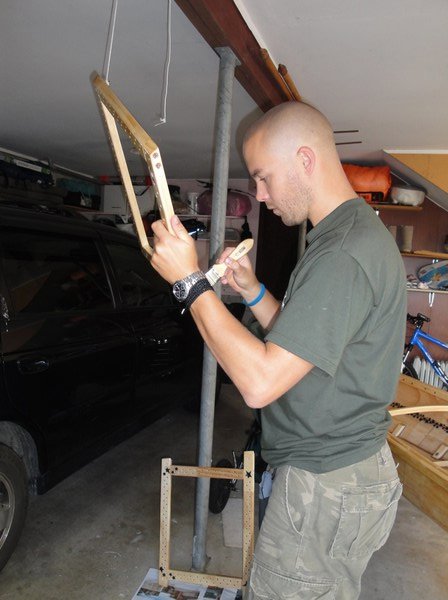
50, 272
140, 285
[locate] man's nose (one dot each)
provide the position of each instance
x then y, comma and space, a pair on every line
262, 193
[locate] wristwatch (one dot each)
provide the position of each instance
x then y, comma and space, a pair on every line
182, 287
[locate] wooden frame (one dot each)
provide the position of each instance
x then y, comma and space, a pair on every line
247, 475
115, 111
419, 445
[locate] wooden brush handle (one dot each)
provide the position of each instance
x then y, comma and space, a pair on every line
241, 250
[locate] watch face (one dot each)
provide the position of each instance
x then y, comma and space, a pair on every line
180, 290
182, 287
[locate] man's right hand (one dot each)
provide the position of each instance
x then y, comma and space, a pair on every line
240, 275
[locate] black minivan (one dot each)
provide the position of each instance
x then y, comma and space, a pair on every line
93, 348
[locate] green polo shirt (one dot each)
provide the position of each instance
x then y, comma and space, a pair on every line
345, 312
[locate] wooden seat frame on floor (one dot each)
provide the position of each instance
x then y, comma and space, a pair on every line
247, 476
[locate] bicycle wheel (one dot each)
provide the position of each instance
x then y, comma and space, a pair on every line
409, 370
220, 489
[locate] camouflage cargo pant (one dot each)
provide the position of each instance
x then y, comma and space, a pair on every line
320, 530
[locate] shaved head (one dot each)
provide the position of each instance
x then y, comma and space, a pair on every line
293, 124
291, 155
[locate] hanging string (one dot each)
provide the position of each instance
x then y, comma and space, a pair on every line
110, 40
166, 68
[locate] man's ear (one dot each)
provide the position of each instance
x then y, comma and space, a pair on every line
307, 159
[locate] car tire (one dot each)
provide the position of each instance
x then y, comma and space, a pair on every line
13, 502
220, 489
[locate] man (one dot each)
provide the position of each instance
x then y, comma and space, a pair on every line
327, 368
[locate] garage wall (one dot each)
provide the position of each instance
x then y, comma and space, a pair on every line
430, 229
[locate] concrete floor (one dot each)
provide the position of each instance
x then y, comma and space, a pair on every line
95, 535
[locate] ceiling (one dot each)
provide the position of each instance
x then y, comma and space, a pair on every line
378, 67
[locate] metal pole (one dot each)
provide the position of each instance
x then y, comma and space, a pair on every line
227, 64
110, 40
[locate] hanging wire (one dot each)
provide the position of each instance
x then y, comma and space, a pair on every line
110, 40
166, 68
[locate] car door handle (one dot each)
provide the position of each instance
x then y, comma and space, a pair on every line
30, 366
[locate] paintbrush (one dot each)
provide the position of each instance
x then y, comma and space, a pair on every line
215, 273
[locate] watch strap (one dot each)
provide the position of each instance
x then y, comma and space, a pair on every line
198, 288
187, 282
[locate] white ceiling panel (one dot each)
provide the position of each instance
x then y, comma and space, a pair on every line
380, 67
49, 50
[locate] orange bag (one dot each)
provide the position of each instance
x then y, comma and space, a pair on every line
372, 183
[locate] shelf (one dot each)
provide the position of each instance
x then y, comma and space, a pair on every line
429, 254
386, 206
227, 242
428, 291
196, 216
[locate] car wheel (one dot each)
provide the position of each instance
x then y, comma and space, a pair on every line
13, 502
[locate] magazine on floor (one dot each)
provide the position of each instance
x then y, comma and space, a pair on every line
151, 590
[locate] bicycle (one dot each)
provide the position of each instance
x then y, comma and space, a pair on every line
417, 340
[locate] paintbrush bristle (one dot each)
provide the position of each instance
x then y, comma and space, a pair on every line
213, 275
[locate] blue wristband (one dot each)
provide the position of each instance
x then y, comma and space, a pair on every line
258, 298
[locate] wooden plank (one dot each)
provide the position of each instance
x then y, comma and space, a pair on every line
210, 472
221, 24
165, 520
141, 140
424, 478
384, 206
406, 452
114, 111
413, 392
276, 74
431, 254
205, 579
427, 291
406, 410
248, 514
429, 494
289, 82
122, 166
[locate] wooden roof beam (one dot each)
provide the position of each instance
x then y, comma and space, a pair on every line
220, 23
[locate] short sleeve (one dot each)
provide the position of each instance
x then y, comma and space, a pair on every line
323, 310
